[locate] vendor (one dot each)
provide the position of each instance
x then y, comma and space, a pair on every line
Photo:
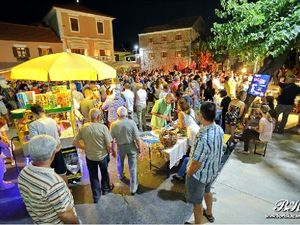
161, 112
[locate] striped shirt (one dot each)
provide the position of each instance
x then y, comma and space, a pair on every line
208, 150
45, 194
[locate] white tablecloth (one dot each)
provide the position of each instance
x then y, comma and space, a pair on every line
177, 151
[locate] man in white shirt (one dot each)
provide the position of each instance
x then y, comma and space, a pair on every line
129, 99
141, 106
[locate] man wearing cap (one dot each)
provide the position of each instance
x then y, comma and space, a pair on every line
161, 112
97, 145
47, 198
125, 133
286, 100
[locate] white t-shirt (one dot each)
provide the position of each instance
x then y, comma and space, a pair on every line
141, 98
129, 98
265, 129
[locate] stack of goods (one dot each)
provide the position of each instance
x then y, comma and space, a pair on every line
42, 100
168, 138
64, 99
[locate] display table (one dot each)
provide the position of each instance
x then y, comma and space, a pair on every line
175, 153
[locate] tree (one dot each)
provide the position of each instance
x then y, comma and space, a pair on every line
256, 31
260, 31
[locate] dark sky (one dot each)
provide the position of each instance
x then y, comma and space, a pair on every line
131, 15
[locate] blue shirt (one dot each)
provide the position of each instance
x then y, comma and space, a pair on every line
208, 150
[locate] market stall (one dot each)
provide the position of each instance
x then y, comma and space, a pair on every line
58, 104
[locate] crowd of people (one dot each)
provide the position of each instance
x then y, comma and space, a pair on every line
112, 114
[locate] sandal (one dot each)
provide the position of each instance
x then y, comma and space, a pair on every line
210, 218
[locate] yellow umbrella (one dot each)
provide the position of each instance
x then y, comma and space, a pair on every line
63, 66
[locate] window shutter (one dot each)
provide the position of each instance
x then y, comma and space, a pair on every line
27, 52
40, 51
14, 49
50, 51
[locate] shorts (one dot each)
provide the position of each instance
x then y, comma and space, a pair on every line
59, 164
195, 190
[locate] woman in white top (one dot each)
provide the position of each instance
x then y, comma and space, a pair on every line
186, 120
263, 132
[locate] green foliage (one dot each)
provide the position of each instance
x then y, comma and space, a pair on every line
256, 30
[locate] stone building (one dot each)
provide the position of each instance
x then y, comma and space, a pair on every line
169, 46
82, 30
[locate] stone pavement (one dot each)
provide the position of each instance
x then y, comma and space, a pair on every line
245, 191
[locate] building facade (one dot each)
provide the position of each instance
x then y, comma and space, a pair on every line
22, 42
83, 31
169, 46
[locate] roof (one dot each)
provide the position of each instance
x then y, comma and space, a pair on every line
187, 22
79, 8
19, 32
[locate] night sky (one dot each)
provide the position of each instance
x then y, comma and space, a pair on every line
131, 15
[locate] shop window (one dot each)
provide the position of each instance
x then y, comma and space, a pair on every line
74, 24
45, 51
178, 37
21, 53
100, 27
163, 54
80, 51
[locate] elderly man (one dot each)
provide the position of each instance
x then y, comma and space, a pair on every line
161, 112
126, 135
47, 198
97, 145
204, 163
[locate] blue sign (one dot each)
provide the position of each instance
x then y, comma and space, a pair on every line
259, 85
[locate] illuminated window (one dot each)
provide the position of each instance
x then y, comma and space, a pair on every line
80, 51
178, 54
100, 28
107, 52
151, 55
163, 54
74, 24
178, 37
44, 51
21, 53
164, 38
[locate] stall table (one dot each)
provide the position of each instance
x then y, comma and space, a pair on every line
174, 153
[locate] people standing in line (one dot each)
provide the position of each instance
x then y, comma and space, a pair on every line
47, 198
126, 135
97, 146
46, 125
161, 112
286, 100
141, 106
128, 96
204, 163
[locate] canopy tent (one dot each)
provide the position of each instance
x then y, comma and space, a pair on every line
63, 66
